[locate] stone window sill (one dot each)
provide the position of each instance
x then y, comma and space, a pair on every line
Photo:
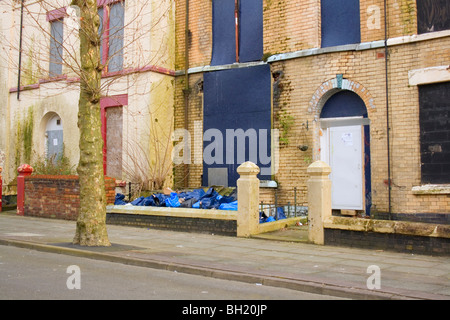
432, 189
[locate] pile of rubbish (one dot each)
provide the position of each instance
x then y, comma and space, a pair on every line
263, 218
199, 198
220, 199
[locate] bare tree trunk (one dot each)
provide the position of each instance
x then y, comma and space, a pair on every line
91, 224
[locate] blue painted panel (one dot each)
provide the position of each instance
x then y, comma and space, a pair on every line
251, 30
344, 104
224, 32
237, 99
340, 22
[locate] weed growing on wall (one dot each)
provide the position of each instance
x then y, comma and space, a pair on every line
24, 139
54, 165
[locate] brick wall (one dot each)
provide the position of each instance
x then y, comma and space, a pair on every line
200, 36
57, 196
290, 26
185, 224
388, 242
305, 78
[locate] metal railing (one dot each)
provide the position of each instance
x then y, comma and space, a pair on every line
289, 209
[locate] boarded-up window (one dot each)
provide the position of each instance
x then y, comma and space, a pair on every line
251, 30
340, 22
56, 48
114, 129
116, 24
237, 123
248, 28
111, 31
434, 101
433, 15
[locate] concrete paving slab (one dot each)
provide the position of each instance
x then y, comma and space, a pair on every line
338, 271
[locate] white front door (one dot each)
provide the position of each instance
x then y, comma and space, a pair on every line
342, 149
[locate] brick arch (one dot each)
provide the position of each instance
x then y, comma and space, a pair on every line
332, 86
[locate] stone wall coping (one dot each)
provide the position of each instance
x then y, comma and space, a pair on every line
388, 226
56, 177
174, 212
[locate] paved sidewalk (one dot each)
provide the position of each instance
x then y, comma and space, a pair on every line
325, 270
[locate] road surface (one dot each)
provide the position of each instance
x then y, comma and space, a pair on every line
29, 274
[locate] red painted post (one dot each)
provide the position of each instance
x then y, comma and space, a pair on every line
24, 170
1, 186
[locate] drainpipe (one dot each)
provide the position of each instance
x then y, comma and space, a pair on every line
386, 52
236, 22
20, 51
186, 83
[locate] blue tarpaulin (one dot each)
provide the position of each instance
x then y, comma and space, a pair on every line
280, 213
192, 199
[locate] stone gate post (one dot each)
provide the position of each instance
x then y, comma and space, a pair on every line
248, 199
319, 200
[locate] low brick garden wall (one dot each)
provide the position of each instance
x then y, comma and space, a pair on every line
58, 196
219, 222
400, 236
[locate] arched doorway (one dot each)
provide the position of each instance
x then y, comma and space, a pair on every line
345, 146
54, 143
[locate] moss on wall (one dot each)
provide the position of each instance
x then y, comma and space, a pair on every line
408, 16
24, 138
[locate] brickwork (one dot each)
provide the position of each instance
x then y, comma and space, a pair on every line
306, 82
303, 96
200, 35
57, 196
365, 74
185, 224
388, 242
283, 31
190, 177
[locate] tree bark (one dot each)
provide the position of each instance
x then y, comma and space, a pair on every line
91, 223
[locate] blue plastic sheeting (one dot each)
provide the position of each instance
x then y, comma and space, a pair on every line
146, 202
119, 200
173, 201
212, 200
280, 213
251, 31
224, 32
340, 22
237, 99
232, 206
196, 199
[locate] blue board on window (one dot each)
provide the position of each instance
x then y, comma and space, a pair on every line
224, 31
340, 22
237, 105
